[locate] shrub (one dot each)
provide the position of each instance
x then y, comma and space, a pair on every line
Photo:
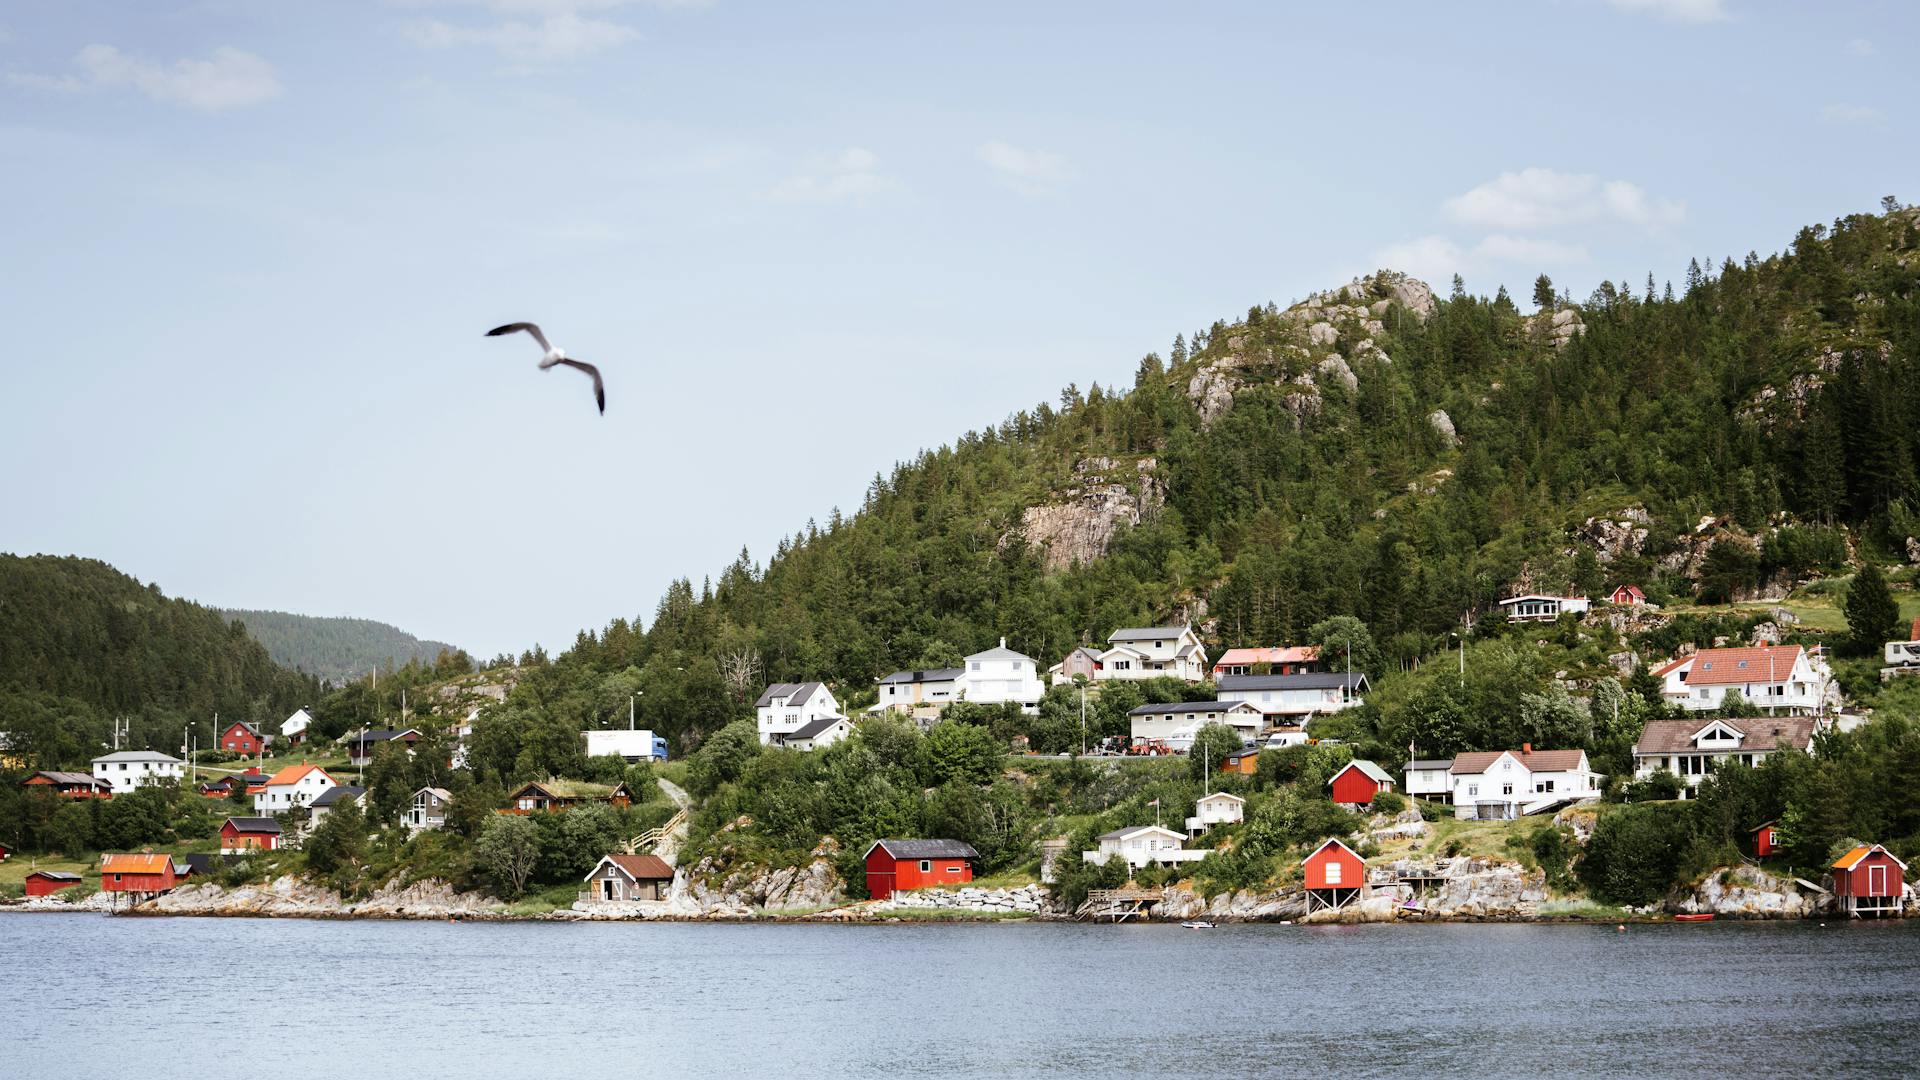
1635, 853
1388, 802
1661, 785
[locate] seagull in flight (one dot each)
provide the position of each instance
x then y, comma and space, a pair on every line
556, 355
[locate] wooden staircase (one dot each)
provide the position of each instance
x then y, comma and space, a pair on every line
651, 838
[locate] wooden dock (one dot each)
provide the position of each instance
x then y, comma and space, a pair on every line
1119, 905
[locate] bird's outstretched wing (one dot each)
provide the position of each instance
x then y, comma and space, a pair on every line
599, 388
515, 327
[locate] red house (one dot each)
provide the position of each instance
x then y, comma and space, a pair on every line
48, 882
242, 738
5, 853
898, 865
1627, 596
1358, 783
1869, 880
143, 874
243, 834
1766, 841
1334, 874
73, 785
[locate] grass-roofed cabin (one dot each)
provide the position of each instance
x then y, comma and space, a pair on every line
555, 795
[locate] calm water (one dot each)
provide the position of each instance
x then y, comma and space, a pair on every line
376, 1000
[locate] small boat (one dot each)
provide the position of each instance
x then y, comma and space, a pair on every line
1197, 924
1705, 917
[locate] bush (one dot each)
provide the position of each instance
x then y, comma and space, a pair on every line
1635, 853
1662, 785
1388, 802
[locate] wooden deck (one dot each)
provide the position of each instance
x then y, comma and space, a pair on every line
1119, 905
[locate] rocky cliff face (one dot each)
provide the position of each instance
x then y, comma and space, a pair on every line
723, 885
1748, 892
293, 897
1077, 526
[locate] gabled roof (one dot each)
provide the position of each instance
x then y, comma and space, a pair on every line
375, 735
813, 728
924, 675
1312, 680
1000, 653
1631, 590
1762, 733
55, 875
1367, 768
339, 794
1330, 842
924, 849
1852, 858
253, 824
637, 868
1442, 764
145, 862
437, 792
137, 755
254, 731
1220, 795
293, 774
1279, 654
1480, 761
1732, 667
569, 789
1147, 633
1189, 706
80, 778
1121, 834
790, 691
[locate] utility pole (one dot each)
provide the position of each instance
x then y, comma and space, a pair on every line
1083, 719
630, 711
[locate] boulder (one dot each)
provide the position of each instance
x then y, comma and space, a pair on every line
1335, 367
1322, 333
1443, 424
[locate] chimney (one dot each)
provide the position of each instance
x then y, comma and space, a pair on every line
1526, 748
1003, 643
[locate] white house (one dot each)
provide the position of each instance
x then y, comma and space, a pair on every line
1539, 607
1777, 678
294, 728
822, 732
785, 708
1292, 699
1219, 808
1177, 723
125, 770
1690, 748
338, 795
906, 691
635, 745
1001, 675
429, 809
1430, 779
292, 787
1144, 844
1501, 784
1153, 652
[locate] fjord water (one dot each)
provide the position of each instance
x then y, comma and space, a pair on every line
199, 997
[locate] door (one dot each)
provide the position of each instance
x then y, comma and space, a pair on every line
606, 886
1876, 881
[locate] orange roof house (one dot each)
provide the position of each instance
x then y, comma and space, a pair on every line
137, 874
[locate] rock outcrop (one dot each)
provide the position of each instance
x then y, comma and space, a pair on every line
1025, 900
716, 885
1443, 424
1076, 527
1558, 328
1748, 892
292, 897
1616, 536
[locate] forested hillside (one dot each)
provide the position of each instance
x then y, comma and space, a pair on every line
1375, 451
82, 643
335, 649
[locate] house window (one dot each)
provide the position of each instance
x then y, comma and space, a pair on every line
1333, 873
1473, 789
976, 665
1506, 789
953, 869
925, 865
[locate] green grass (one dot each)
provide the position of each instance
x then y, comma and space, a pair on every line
1584, 909
543, 901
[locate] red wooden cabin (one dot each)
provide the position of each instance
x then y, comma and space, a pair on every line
1869, 881
73, 785
242, 738
5, 853
1358, 783
1627, 596
1766, 841
240, 835
897, 865
143, 873
1334, 874
48, 882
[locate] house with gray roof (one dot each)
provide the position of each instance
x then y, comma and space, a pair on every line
126, 770
1153, 652
1293, 699
785, 708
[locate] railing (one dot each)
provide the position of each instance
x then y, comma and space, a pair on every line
652, 837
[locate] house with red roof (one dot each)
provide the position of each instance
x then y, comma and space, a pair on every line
294, 787
1498, 785
1869, 882
1627, 596
629, 877
1277, 660
1782, 679
1690, 748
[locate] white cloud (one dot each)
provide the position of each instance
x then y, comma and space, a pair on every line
1851, 114
228, 79
852, 174
1539, 198
1861, 47
564, 36
1503, 248
1430, 258
1435, 259
1030, 172
1689, 11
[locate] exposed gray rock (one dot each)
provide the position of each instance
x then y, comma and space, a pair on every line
1322, 333
1078, 526
1335, 366
1443, 424
1748, 892
1617, 535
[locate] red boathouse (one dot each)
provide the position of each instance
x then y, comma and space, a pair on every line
897, 865
141, 875
1358, 783
1334, 874
1868, 881
48, 882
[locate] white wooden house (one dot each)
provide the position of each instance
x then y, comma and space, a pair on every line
1430, 779
1002, 675
1143, 845
1502, 784
1153, 652
292, 788
1777, 678
785, 708
1689, 749
429, 809
125, 770
294, 728
1539, 607
1291, 700
1219, 808
1176, 724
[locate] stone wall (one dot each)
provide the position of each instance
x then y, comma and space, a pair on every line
1025, 900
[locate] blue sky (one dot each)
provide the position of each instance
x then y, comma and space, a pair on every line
252, 246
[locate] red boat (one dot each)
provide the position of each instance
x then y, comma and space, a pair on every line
1708, 917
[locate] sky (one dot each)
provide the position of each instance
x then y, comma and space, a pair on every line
251, 247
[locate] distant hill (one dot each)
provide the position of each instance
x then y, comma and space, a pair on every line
82, 643
334, 648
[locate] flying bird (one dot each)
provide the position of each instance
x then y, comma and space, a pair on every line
556, 355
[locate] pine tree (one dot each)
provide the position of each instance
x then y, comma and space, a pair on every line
1179, 350
1543, 293
1872, 615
